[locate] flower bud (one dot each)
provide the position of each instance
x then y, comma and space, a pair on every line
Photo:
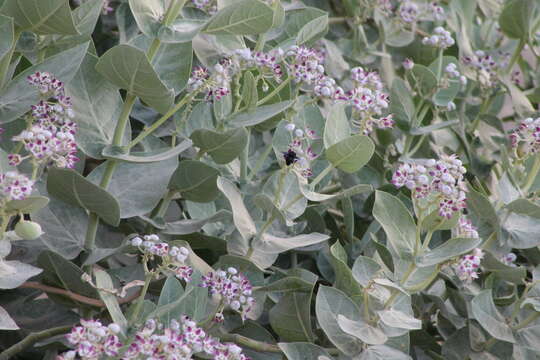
28, 230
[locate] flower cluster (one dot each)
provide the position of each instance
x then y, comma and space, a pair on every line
181, 340
526, 137
217, 83
486, 66
451, 71
234, 288
305, 65
107, 8
209, 6
369, 101
300, 153
435, 182
50, 139
93, 340
410, 12
468, 266
173, 258
266, 62
441, 38
14, 186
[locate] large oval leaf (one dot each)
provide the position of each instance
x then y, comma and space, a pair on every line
351, 154
246, 17
222, 147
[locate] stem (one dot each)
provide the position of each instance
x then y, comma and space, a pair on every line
160, 121
4, 64
31, 339
162, 209
140, 301
531, 176
244, 157
439, 64
261, 40
485, 105
274, 92
515, 56
527, 321
260, 161
123, 120
322, 175
4, 222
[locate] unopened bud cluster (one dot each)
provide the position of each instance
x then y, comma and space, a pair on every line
234, 288
435, 181
486, 66
441, 38
173, 258
50, 139
526, 137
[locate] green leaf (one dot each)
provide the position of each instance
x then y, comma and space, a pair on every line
302, 351
337, 126
313, 30
97, 104
296, 19
344, 276
513, 274
329, 304
364, 270
397, 222
436, 222
450, 249
515, 19
189, 226
14, 273
8, 35
222, 147
17, 97
6, 322
41, 16
272, 244
490, 319
104, 283
87, 15
395, 35
117, 153
137, 187
383, 352
27, 206
445, 95
241, 217
259, 114
181, 30
360, 329
149, 15
249, 91
128, 68
72, 188
245, 17
524, 207
65, 274
290, 318
401, 103
171, 291
424, 78
196, 181
283, 191
399, 319
351, 154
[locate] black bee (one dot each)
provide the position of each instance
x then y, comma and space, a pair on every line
290, 157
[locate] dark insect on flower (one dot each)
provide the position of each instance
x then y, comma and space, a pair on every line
290, 157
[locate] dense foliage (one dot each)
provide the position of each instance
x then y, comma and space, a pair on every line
266, 180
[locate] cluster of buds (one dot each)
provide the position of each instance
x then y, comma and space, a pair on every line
266, 62
435, 182
305, 64
300, 154
526, 137
173, 258
50, 140
441, 38
14, 186
486, 66
180, 340
410, 12
369, 101
468, 266
451, 71
93, 340
209, 6
235, 290
216, 84
466, 229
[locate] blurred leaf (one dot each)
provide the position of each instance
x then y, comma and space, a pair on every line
117, 153
360, 329
104, 283
196, 181
344, 276
222, 147
515, 19
337, 126
398, 319
364, 270
245, 17
259, 114
72, 188
302, 351
313, 30
488, 316
14, 273
448, 250
172, 290
189, 226
401, 103
27, 206
6, 322
351, 154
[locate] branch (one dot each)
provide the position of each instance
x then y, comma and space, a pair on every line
74, 296
31, 339
258, 345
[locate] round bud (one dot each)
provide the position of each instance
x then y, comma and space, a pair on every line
115, 328
290, 127
137, 241
28, 230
